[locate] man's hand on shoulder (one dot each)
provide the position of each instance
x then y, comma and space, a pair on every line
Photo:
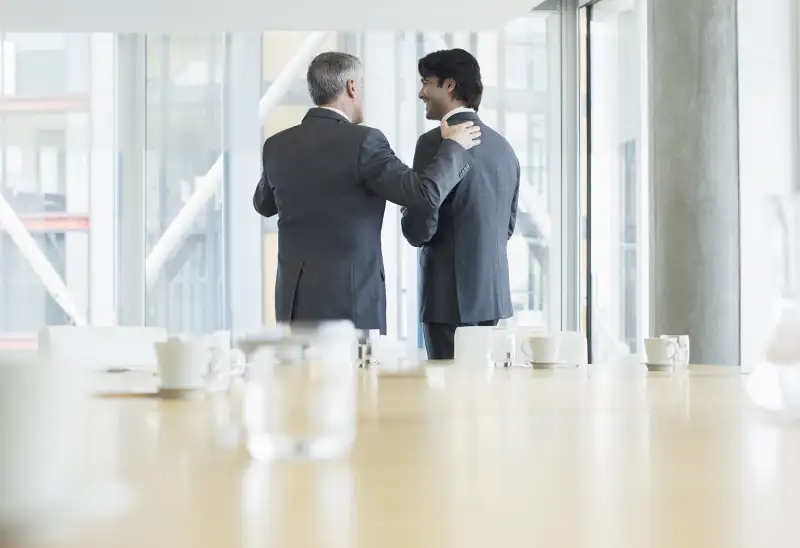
466, 134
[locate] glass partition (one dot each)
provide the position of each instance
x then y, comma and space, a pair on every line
617, 178
81, 113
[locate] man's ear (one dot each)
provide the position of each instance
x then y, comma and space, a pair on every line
351, 88
449, 85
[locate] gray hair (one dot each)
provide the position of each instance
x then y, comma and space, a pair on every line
328, 74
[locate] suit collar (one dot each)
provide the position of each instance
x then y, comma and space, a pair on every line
463, 116
319, 112
457, 110
339, 112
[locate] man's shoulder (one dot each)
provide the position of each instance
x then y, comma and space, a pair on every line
495, 140
301, 132
368, 131
430, 138
281, 136
433, 134
370, 138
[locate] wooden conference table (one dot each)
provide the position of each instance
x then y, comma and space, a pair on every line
560, 459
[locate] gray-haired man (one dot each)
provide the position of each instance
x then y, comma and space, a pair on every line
328, 180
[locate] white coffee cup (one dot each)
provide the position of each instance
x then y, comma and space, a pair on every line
541, 348
661, 351
43, 412
183, 364
521, 335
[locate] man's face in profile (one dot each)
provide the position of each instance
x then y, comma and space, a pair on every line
435, 97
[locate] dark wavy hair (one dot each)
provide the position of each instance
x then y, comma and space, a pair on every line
459, 65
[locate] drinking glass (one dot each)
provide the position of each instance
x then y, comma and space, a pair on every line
300, 395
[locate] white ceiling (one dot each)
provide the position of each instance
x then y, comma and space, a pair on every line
257, 15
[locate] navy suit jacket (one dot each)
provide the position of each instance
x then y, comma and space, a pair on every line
464, 260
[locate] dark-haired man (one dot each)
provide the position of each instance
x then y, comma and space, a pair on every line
463, 259
328, 180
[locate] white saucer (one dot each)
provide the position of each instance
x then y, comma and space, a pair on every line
546, 365
402, 373
181, 393
666, 366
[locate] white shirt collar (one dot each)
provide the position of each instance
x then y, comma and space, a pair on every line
456, 111
340, 113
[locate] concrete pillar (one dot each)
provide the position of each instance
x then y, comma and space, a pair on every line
695, 175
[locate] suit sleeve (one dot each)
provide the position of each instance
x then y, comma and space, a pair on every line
512, 222
420, 224
264, 197
389, 178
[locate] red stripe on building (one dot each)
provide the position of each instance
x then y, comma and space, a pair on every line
18, 341
44, 104
53, 222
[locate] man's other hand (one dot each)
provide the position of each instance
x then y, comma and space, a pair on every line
466, 134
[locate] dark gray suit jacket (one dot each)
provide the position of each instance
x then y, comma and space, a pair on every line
328, 181
464, 262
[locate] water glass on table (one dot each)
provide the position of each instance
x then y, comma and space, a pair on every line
682, 342
484, 346
300, 395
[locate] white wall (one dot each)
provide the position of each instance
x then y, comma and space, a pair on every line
767, 156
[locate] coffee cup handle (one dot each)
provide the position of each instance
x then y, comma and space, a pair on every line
526, 349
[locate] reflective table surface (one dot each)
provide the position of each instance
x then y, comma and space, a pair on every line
454, 457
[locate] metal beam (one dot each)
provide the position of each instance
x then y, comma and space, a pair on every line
380, 76
102, 172
209, 183
130, 163
518, 100
244, 284
794, 24
36, 259
570, 172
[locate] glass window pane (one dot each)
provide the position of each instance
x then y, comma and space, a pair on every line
618, 200
517, 64
489, 116
487, 56
530, 112
53, 122
184, 140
